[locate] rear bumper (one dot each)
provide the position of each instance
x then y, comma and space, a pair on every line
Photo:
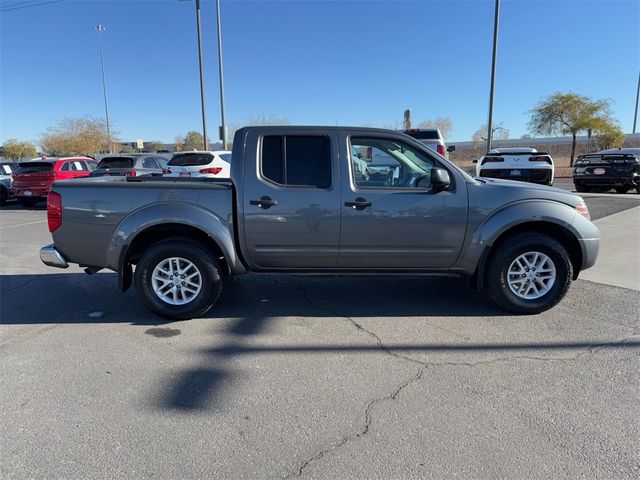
605, 181
27, 192
533, 175
52, 257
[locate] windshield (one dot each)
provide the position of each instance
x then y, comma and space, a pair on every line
116, 162
190, 159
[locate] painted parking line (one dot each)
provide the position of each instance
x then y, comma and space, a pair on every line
22, 224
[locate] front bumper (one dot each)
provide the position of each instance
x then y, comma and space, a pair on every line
52, 257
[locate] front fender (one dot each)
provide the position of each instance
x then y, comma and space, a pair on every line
482, 238
219, 229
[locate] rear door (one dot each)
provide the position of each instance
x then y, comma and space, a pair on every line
391, 217
291, 200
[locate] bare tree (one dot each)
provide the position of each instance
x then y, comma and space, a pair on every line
444, 124
499, 132
77, 135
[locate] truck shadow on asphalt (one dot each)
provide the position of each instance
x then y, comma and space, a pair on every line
248, 307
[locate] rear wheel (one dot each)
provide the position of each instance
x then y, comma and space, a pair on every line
177, 279
622, 189
529, 273
27, 202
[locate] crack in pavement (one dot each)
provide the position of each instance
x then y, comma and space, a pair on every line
368, 418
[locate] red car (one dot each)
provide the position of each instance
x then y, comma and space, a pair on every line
32, 180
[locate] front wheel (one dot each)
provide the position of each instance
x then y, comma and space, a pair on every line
529, 273
177, 279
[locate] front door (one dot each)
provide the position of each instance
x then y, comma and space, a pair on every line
391, 216
291, 201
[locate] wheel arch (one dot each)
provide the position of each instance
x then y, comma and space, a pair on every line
560, 233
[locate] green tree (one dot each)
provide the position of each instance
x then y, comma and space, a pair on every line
15, 150
570, 113
193, 141
609, 136
76, 136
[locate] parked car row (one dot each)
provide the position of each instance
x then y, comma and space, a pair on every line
29, 182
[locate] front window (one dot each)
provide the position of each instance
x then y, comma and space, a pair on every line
389, 163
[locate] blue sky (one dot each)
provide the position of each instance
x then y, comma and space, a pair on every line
325, 62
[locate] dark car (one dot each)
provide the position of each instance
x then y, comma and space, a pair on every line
618, 169
6, 170
131, 165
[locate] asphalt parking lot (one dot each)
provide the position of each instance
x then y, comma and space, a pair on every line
316, 377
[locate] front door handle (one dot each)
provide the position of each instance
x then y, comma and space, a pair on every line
264, 202
359, 204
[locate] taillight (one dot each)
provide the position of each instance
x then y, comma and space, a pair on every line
54, 210
441, 150
582, 209
213, 170
165, 171
541, 158
130, 173
492, 159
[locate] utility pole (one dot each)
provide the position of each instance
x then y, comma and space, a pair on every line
493, 75
100, 28
635, 114
223, 128
204, 115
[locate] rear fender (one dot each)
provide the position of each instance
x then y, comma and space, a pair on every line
217, 228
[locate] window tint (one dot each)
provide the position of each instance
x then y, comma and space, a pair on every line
297, 160
382, 163
149, 162
32, 167
423, 134
190, 159
116, 162
65, 167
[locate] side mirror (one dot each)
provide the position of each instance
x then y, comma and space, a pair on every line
475, 160
451, 148
440, 179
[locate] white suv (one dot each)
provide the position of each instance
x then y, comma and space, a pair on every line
516, 163
200, 164
432, 138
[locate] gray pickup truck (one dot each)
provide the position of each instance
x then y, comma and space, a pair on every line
322, 200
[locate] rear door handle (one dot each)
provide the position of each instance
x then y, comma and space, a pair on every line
264, 202
359, 204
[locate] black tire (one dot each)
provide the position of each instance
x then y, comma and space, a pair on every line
28, 202
638, 189
208, 267
506, 253
4, 196
622, 189
582, 188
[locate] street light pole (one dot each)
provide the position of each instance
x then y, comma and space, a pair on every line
100, 28
493, 75
635, 114
223, 128
204, 116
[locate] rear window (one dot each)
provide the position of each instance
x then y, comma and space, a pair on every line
301, 161
190, 159
423, 134
33, 167
116, 162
